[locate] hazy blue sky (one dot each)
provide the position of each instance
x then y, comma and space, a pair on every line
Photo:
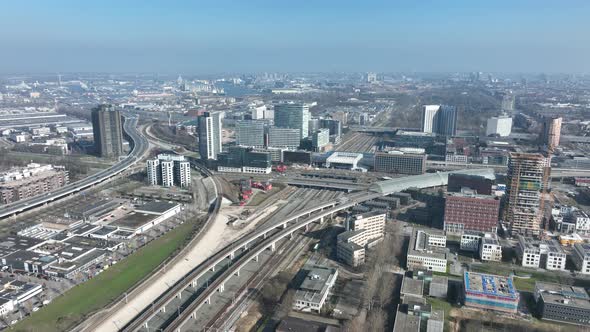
275, 35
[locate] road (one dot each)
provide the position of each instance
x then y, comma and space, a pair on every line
140, 147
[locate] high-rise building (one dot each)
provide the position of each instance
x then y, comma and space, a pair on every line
526, 182
402, 162
294, 116
169, 170
313, 126
320, 139
371, 77
210, 135
551, 132
285, 138
508, 102
341, 116
439, 119
108, 131
335, 126
250, 133
467, 211
499, 125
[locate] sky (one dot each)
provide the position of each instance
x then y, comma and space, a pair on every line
217, 36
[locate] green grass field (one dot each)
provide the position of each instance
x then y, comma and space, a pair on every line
76, 304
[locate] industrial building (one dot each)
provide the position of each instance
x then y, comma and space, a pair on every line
491, 292
427, 250
315, 288
527, 180
168, 170
146, 216
468, 211
563, 303
107, 131
402, 161
547, 254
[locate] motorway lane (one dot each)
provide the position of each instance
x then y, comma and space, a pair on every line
140, 148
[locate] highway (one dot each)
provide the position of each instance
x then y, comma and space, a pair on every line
140, 146
235, 256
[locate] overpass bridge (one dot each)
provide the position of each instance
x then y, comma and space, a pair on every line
228, 262
140, 146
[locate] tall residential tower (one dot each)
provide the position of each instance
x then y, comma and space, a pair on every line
210, 135
439, 119
108, 131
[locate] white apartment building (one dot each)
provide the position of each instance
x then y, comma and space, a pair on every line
425, 251
362, 231
470, 241
500, 125
581, 257
169, 170
541, 253
490, 248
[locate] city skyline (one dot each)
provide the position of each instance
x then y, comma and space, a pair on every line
204, 38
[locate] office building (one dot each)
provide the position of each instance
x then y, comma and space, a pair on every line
341, 116
250, 133
467, 211
371, 77
535, 253
334, 126
313, 126
490, 292
551, 132
439, 119
490, 248
108, 131
283, 138
402, 161
526, 181
320, 139
244, 160
362, 231
563, 303
499, 126
470, 241
581, 257
210, 144
427, 251
294, 116
313, 292
480, 184
168, 170
257, 112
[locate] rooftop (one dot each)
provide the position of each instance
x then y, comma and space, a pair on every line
406, 323
412, 286
156, 207
563, 294
490, 285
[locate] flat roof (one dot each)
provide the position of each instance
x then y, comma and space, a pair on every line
563, 295
489, 284
156, 207
412, 286
406, 323
133, 220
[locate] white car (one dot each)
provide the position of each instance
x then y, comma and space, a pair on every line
35, 309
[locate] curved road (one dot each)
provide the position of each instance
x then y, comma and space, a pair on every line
140, 146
